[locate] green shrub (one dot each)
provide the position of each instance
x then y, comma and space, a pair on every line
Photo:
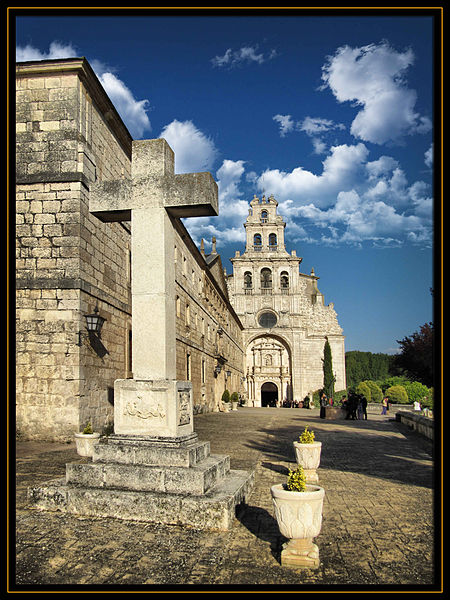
226, 396
88, 429
296, 481
397, 394
416, 391
234, 397
376, 393
364, 390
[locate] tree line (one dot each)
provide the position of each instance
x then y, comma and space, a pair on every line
406, 376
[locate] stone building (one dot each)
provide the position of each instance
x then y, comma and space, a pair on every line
259, 332
69, 265
283, 313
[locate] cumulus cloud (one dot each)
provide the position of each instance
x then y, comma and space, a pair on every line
243, 56
56, 50
194, 151
374, 78
340, 171
132, 111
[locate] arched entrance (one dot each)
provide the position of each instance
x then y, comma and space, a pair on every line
269, 394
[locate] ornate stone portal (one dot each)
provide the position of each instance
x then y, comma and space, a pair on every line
153, 468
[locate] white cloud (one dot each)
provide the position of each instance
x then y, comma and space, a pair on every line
373, 77
429, 157
132, 111
244, 55
194, 151
56, 50
286, 123
340, 171
314, 127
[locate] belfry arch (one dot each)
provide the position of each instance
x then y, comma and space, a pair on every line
268, 371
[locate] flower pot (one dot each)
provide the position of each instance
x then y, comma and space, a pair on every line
85, 443
234, 405
226, 407
308, 456
299, 518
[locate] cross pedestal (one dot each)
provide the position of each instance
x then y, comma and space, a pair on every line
153, 468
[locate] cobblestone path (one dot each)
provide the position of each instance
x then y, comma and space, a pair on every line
377, 529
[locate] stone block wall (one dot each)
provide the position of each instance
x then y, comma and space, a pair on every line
207, 328
67, 262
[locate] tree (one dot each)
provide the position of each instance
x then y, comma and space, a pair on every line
416, 356
361, 366
328, 377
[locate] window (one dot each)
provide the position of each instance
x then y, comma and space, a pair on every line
267, 320
203, 371
248, 283
284, 282
272, 241
264, 216
188, 367
188, 315
178, 305
266, 278
257, 242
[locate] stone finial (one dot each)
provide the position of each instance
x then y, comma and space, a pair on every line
312, 272
202, 247
214, 251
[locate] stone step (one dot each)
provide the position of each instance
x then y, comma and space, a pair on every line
214, 510
150, 452
196, 480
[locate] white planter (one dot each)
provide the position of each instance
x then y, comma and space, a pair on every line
299, 517
85, 443
235, 405
226, 407
308, 456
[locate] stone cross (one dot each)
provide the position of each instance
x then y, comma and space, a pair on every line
153, 403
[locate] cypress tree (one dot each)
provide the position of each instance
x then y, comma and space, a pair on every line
328, 377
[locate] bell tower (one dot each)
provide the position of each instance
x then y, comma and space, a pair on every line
264, 228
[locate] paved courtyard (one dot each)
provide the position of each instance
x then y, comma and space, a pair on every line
377, 529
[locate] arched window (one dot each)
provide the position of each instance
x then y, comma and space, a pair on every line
266, 278
272, 241
257, 242
248, 283
284, 282
264, 216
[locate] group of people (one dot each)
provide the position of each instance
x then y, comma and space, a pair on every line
354, 404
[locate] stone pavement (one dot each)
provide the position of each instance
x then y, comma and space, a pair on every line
377, 529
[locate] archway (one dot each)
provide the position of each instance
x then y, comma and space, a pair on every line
269, 394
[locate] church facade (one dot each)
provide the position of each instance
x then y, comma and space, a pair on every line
286, 321
259, 332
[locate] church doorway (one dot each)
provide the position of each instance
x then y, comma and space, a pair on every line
269, 394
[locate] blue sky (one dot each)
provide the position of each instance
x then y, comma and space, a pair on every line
332, 114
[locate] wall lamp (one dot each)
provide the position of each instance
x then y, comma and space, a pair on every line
94, 324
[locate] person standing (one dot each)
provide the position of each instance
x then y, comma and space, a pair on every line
385, 405
323, 405
364, 407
